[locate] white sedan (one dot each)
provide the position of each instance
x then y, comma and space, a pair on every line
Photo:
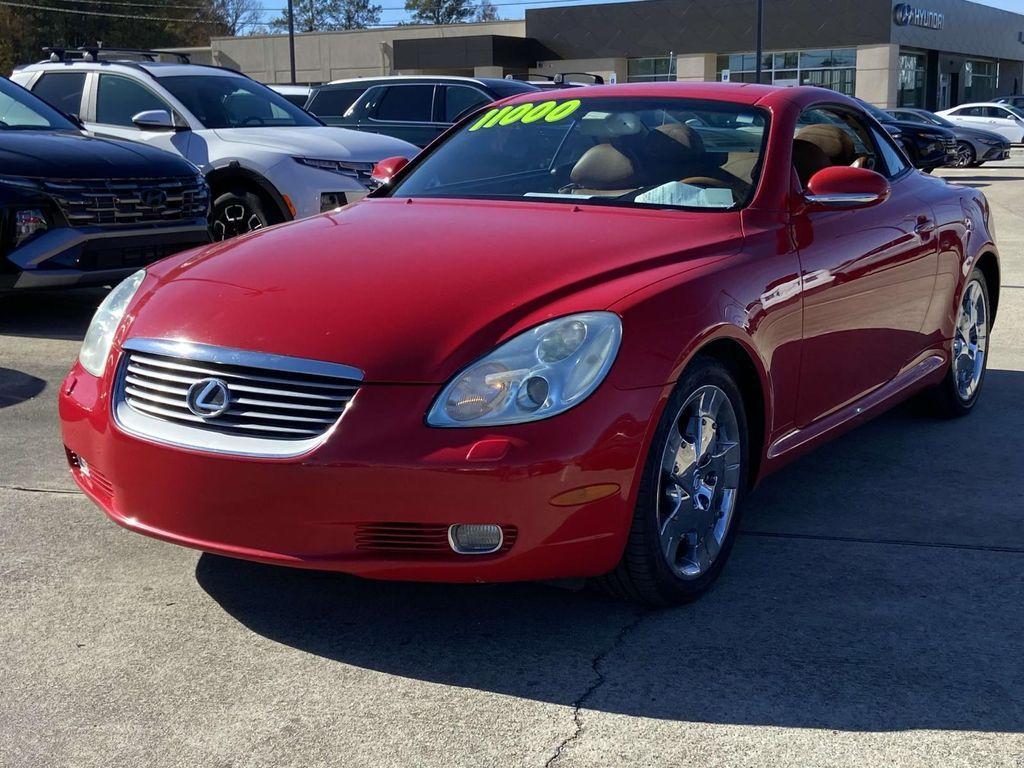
999, 118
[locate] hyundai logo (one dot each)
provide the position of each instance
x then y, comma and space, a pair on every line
208, 398
154, 198
905, 15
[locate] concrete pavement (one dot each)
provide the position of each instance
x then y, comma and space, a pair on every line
871, 614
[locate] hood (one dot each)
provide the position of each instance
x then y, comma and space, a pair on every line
917, 128
966, 132
321, 142
69, 155
412, 291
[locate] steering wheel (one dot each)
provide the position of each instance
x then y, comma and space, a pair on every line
253, 120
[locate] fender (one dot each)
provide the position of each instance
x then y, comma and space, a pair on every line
234, 169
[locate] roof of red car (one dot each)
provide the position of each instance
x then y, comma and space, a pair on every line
740, 93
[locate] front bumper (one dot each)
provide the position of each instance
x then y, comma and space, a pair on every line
989, 153
78, 256
381, 465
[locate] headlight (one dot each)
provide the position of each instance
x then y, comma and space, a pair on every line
99, 337
993, 142
28, 222
352, 170
932, 136
20, 183
539, 373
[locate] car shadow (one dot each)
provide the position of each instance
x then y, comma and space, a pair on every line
17, 387
835, 612
49, 314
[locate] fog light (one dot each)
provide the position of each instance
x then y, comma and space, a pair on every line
475, 539
28, 223
330, 201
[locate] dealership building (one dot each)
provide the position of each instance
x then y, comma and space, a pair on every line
935, 55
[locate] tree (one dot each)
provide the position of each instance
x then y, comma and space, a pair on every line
317, 15
240, 17
440, 11
486, 11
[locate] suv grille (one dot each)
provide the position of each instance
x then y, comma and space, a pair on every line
258, 404
129, 201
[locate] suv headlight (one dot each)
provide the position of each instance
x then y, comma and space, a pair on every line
99, 337
540, 373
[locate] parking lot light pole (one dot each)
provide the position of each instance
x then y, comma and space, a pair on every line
291, 37
759, 35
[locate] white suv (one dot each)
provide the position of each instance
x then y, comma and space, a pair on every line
266, 160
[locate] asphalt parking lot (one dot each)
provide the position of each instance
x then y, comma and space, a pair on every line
871, 615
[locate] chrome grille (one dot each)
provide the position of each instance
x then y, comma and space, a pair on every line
273, 405
107, 202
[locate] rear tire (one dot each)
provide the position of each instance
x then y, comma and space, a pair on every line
693, 482
959, 391
238, 211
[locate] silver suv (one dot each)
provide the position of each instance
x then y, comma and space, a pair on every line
265, 159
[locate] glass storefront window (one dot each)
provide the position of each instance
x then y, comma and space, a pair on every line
911, 79
834, 68
651, 69
980, 80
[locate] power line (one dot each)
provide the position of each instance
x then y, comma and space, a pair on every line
139, 5
76, 12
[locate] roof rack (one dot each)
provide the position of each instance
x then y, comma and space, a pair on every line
527, 76
93, 52
563, 77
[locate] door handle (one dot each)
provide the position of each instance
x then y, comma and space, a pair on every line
924, 226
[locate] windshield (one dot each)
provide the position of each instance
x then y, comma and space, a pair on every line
665, 153
935, 119
20, 110
875, 112
226, 101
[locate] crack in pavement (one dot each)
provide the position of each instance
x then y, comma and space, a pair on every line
27, 489
889, 542
599, 680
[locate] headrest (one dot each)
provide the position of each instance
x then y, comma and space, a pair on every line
607, 125
830, 139
602, 167
673, 141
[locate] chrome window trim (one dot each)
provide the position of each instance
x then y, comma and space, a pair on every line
155, 430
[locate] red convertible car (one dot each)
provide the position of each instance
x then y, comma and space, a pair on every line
564, 341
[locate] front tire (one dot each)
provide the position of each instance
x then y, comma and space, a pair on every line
237, 212
965, 156
694, 478
959, 391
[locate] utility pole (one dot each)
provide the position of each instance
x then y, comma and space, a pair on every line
291, 37
759, 34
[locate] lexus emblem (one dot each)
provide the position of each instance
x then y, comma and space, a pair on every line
154, 198
208, 398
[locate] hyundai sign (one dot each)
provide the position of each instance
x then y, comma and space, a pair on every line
906, 15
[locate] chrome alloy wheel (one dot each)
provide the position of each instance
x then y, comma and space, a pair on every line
699, 482
964, 155
235, 219
970, 341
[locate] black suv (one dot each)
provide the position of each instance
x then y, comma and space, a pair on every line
416, 108
76, 210
928, 146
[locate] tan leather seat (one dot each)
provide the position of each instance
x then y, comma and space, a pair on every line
602, 169
832, 140
808, 159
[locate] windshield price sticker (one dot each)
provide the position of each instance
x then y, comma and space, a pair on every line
548, 111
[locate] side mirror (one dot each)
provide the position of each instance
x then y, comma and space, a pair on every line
386, 169
843, 186
154, 120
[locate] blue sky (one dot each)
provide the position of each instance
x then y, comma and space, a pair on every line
515, 9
